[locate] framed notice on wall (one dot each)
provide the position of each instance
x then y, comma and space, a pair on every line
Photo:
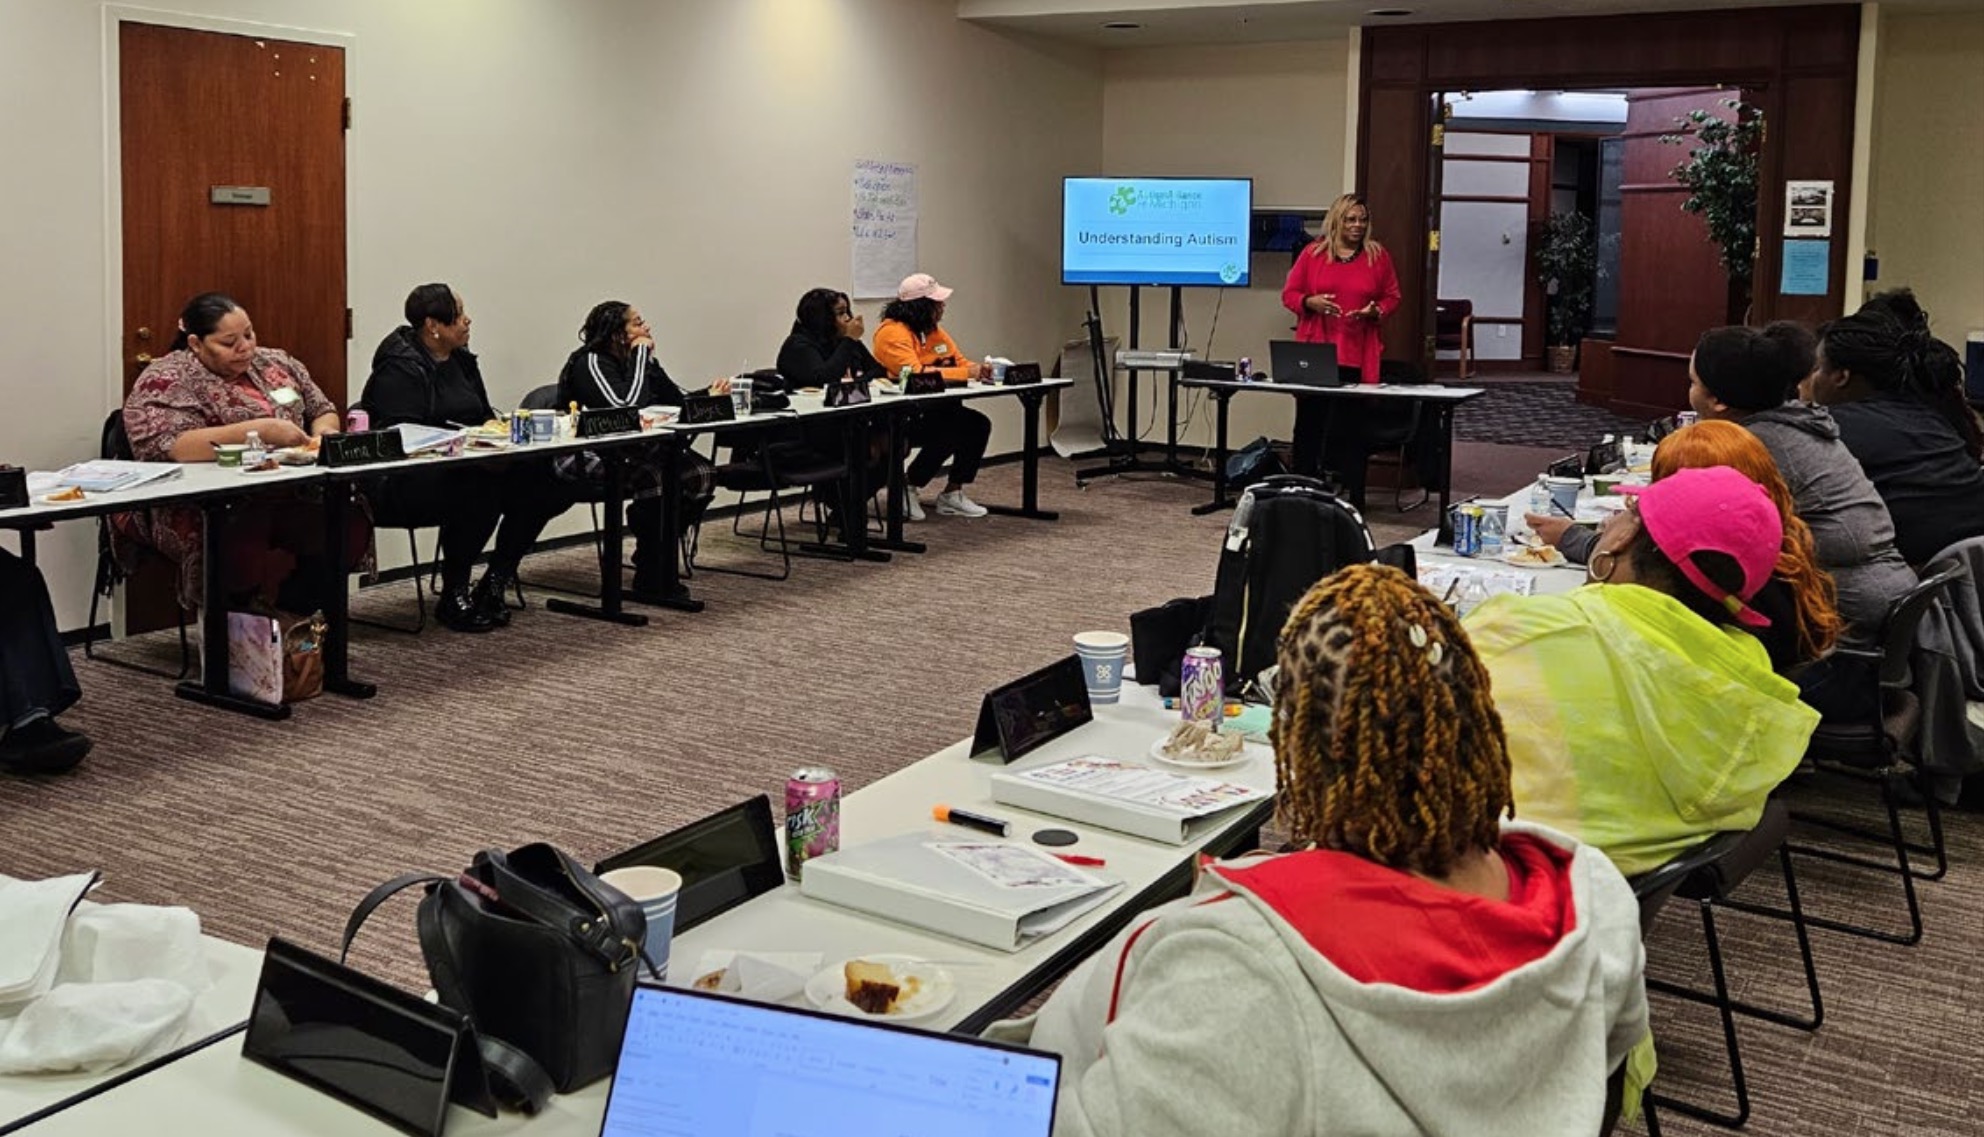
883, 227
1808, 209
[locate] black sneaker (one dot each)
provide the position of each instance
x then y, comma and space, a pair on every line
487, 596
456, 611
42, 747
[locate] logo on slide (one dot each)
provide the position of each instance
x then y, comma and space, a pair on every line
1121, 201
1229, 272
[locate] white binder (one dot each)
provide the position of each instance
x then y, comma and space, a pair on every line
1110, 794
906, 879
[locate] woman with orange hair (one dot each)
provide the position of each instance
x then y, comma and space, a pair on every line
1804, 619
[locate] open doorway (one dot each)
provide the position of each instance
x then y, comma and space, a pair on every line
1567, 229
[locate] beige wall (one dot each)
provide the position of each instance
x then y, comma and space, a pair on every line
1272, 112
692, 157
1926, 216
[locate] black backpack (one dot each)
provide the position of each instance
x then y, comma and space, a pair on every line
1287, 533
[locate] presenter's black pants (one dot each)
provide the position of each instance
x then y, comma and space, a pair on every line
35, 676
950, 432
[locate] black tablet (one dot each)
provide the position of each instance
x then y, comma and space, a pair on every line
723, 859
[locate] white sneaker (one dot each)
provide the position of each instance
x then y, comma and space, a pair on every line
956, 504
912, 509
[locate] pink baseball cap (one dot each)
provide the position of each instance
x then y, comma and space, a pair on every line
1714, 509
921, 285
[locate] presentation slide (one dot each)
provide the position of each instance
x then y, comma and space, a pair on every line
1191, 231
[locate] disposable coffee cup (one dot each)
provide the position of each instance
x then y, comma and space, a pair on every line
655, 890
228, 454
740, 396
999, 370
543, 426
1102, 655
1564, 495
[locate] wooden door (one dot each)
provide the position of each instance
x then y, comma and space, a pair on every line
1672, 286
202, 111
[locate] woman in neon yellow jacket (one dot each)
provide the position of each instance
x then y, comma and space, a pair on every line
1642, 715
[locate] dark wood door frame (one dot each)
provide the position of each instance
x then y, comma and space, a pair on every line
1800, 65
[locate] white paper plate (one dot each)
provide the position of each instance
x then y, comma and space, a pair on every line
827, 989
1247, 754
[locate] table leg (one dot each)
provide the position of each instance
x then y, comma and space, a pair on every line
1446, 433
211, 688
1219, 499
892, 537
337, 596
1030, 402
27, 545
612, 528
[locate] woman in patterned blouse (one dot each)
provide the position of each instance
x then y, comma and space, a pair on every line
214, 387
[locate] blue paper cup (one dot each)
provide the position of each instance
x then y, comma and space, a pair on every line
655, 890
1103, 655
1564, 494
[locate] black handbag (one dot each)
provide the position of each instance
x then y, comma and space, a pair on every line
767, 391
539, 954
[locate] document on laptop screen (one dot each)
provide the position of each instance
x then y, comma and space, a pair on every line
693, 1065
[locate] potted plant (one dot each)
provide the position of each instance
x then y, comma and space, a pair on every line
1567, 267
1720, 175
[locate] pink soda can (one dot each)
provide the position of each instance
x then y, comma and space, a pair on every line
357, 421
812, 816
1202, 686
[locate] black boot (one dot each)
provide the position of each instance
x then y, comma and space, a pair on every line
456, 610
487, 598
42, 747
646, 586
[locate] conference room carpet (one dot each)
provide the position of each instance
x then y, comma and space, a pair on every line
595, 737
1537, 413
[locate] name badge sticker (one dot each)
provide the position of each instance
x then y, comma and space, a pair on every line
284, 396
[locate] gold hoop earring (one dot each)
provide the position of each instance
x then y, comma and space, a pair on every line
1591, 568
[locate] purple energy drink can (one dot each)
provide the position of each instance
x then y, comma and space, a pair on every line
812, 816
357, 421
1202, 686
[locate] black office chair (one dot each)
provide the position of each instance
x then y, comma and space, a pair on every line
115, 444
1707, 874
1881, 750
386, 514
1395, 429
763, 463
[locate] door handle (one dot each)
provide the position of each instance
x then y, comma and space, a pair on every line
141, 359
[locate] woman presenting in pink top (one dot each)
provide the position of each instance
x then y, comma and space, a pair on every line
1341, 288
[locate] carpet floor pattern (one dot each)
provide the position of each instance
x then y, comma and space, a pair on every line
1537, 413
595, 737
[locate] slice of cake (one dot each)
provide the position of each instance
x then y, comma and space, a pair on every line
871, 986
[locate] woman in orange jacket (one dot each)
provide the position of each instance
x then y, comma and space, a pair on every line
910, 337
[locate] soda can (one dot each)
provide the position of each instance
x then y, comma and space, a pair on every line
520, 428
1685, 418
356, 421
1202, 686
1244, 370
1467, 530
812, 816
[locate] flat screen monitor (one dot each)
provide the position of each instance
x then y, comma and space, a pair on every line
1162, 231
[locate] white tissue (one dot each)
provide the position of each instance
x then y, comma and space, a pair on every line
32, 916
767, 976
94, 1026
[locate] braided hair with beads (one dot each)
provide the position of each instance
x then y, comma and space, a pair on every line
1386, 740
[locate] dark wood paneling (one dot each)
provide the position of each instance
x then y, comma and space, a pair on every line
1397, 193
1595, 372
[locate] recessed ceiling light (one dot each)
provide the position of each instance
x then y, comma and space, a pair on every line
1120, 26
1391, 12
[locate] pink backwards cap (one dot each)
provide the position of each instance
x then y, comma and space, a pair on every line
1714, 510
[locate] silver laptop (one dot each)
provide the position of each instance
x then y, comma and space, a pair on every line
1309, 364
694, 1062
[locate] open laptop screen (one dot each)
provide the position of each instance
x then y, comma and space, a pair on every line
696, 1063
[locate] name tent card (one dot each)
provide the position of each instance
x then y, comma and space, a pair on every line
360, 449
1021, 374
700, 409
924, 383
609, 420
846, 392
1032, 710
13, 487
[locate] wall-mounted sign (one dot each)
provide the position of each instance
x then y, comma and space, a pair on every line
239, 195
1808, 209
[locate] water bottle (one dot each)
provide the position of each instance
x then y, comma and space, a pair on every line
1491, 535
256, 453
1539, 497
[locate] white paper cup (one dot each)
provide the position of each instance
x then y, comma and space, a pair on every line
1103, 655
655, 890
1564, 494
229, 453
740, 396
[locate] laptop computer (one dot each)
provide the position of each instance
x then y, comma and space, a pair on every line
1309, 364
698, 1062
724, 859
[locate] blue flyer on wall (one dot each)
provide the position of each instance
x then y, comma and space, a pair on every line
1805, 264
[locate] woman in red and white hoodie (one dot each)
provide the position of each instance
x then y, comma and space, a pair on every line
1422, 967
